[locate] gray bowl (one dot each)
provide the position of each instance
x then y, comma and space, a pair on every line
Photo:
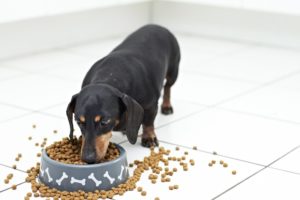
71, 177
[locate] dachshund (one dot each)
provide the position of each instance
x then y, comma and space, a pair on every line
120, 92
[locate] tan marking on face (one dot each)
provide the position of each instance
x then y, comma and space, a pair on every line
97, 118
117, 122
82, 118
102, 143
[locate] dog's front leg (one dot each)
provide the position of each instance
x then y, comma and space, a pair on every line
149, 138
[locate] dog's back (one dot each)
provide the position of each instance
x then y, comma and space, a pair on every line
139, 65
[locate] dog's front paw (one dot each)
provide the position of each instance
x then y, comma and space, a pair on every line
149, 142
166, 110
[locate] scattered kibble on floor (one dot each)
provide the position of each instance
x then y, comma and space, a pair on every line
143, 193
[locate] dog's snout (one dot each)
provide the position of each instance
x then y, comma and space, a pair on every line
89, 157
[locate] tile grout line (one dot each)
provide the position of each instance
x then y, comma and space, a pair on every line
30, 111
229, 157
231, 40
243, 112
221, 155
215, 105
266, 84
222, 101
10, 187
259, 116
220, 77
255, 173
20, 170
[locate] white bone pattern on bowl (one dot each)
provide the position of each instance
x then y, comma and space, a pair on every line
83, 181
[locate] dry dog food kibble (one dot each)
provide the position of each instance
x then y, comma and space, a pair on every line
144, 193
195, 147
14, 187
10, 176
225, 165
67, 152
233, 172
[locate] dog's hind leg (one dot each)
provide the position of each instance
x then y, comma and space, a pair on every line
166, 107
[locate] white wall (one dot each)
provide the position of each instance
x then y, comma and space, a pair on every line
15, 10
277, 6
53, 31
229, 22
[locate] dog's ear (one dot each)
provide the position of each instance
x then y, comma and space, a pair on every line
70, 111
133, 115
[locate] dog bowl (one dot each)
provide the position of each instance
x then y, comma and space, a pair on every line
71, 177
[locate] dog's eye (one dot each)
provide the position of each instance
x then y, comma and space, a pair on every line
80, 123
104, 122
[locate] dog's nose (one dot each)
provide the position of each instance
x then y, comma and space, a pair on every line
89, 158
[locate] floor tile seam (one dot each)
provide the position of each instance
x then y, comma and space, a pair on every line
31, 111
6, 189
255, 173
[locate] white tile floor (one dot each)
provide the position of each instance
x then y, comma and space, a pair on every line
240, 100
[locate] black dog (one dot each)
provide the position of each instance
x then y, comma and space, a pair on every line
121, 91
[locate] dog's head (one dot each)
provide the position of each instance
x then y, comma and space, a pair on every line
98, 110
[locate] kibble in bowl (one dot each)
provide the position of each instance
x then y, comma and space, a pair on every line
64, 170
